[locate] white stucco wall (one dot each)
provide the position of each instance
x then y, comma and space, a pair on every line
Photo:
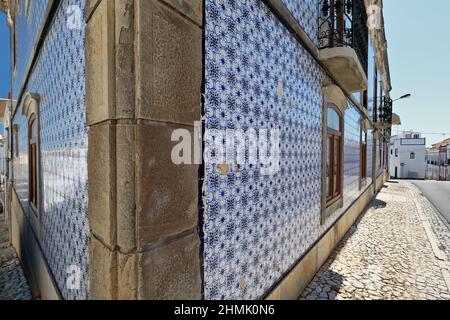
407, 168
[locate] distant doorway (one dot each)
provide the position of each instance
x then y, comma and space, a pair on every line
396, 172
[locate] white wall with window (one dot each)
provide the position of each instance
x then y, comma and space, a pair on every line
407, 156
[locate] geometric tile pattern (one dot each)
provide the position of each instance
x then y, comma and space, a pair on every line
258, 76
255, 227
306, 12
59, 79
28, 27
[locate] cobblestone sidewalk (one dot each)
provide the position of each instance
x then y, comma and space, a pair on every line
391, 253
13, 284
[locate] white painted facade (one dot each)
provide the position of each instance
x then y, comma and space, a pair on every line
407, 156
438, 161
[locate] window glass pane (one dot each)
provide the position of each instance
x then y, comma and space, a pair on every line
33, 130
328, 173
32, 172
333, 119
336, 166
363, 160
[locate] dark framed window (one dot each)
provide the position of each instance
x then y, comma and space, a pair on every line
33, 161
380, 153
412, 156
15, 141
363, 153
333, 155
375, 94
365, 99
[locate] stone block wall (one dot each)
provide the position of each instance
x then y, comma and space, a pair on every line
144, 75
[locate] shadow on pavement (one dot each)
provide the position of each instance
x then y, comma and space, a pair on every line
337, 279
377, 204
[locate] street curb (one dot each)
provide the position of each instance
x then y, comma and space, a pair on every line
438, 214
439, 254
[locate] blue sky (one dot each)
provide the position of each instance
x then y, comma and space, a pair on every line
4, 60
419, 54
4, 57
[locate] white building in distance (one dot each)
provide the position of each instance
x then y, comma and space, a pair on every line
407, 156
438, 161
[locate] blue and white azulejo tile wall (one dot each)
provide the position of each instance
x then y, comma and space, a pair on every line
256, 227
306, 12
59, 79
258, 76
28, 23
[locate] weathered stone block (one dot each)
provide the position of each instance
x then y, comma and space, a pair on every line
99, 51
325, 247
169, 64
192, 9
127, 277
124, 59
103, 271
167, 194
125, 185
172, 271
300, 276
102, 182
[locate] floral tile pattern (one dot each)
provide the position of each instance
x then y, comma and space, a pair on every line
59, 79
306, 12
258, 76
29, 24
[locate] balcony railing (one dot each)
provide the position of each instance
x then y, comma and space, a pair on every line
385, 111
387, 133
383, 116
343, 23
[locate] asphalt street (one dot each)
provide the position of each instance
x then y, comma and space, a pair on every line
438, 192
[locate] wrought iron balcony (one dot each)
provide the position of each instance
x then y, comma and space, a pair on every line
383, 118
344, 39
387, 133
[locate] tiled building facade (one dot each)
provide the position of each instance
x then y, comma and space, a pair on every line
110, 89
59, 223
